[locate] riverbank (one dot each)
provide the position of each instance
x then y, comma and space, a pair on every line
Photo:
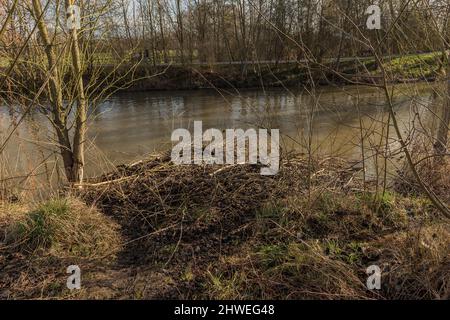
155, 230
131, 77
407, 69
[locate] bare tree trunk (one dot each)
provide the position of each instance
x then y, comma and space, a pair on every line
72, 154
440, 146
8, 17
81, 114
341, 40
179, 17
59, 116
161, 28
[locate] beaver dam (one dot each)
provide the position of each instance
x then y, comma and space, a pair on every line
156, 230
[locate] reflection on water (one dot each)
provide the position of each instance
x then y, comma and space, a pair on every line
130, 125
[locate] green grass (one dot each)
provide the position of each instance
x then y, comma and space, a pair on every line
272, 254
415, 66
63, 227
39, 226
4, 62
350, 253
225, 287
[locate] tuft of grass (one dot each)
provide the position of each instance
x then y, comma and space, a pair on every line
225, 287
350, 253
64, 228
272, 254
39, 227
269, 211
389, 208
304, 271
4, 62
188, 275
385, 203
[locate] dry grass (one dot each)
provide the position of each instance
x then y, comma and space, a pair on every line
416, 262
63, 228
321, 252
229, 233
37, 245
433, 171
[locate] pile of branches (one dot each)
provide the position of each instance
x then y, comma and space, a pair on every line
153, 198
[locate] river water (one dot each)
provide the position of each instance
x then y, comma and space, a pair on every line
129, 126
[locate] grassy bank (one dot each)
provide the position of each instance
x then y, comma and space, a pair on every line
144, 76
155, 230
410, 68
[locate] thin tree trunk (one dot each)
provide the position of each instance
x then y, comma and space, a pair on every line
161, 27
59, 116
8, 17
81, 114
442, 207
442, 135
179, 17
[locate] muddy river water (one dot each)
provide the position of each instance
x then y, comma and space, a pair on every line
130, 125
